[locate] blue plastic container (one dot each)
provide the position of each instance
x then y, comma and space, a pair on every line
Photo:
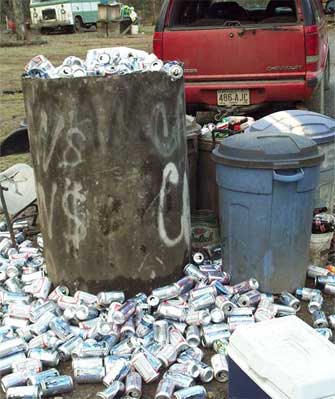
318, 127
266, 193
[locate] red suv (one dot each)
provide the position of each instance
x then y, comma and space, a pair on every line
246, 53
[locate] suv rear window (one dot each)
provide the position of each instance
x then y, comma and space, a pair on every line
206, 13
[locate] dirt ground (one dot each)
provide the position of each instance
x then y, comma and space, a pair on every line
12, 112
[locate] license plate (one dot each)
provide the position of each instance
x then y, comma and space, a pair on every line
233, 97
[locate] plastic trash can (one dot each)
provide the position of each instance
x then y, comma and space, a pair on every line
266, 190
280, 359
318, 127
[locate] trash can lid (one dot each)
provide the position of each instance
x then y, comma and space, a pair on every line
318, 127
268, 151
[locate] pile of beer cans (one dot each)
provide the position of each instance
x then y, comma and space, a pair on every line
103, 62
123, 343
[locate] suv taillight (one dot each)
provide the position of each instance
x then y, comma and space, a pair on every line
158, 44
312, 46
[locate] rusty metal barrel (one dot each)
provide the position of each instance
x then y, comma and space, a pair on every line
110, 162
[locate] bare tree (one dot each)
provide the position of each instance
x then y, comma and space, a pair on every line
18, 11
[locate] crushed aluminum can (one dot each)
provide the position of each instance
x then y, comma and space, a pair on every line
12, 346
6, 362
144, 367
217, 315
198, 258
206, 372
245, 286
27, 366
316, 271
61, 328
185, 284
306, 294
48, 357
177, 340
145, 325
198, 317
92, 362
58, 292
287, 299
193, 336
124, 313
315, 303
283, 310
13, 380
321, 281
42, 324
164, 389
39, 288
106, 298
14, 322
112, 391
17, 297
161, 331
47, 340
66, 349
85, 297
174, 70
166, 292
189, 368
65, 301
117, 371
133, 385
199, 292
194, 272
54, 386
171, 312
29, 392
167, 355
179, 380
319, 319
220, 367
92, 348
36, 379
202, 302
224, 304
85, 312
195, 392
221, 346
208, 338
265, 310
250, 298
88, 375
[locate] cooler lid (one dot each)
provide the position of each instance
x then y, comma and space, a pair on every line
268, 151
286, 358
318, 127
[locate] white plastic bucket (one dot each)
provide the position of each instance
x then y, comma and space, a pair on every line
319, 248
134, 29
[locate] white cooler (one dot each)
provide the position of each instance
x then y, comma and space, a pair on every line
282, 358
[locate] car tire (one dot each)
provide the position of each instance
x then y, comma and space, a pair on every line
78, 24
316, 102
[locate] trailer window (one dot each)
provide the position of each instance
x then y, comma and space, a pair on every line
199, 13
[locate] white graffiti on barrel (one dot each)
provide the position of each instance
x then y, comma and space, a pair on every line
171, 176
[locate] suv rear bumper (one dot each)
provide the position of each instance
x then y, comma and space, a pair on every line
261, 91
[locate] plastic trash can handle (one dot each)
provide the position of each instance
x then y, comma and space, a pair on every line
288, 178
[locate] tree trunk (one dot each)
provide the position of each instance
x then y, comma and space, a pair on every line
18, 12
154, 16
